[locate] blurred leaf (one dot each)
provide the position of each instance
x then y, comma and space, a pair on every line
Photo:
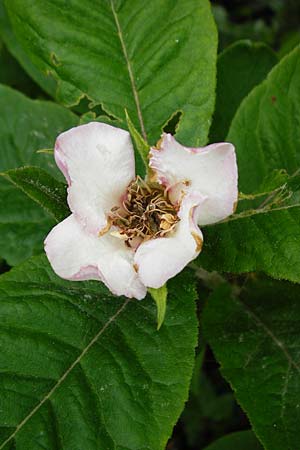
240, 67
207, 411
241, 440
162, 56
13, 75
231, 31
25, 126
289, 42
256, 340
89, 370
266, 133
42, 188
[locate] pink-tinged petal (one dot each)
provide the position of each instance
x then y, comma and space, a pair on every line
210, 170
76, 254
159, 259
98, 163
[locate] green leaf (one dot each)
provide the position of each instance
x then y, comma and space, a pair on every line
241, 440
266, 133
240, 67
256, 340
42, 188
12, 73
160, 296
209, 411
25, 127
89, 370
45, 81
153, 58
266, 129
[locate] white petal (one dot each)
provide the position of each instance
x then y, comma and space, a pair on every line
98, 163
75, 254
211, 170
159, 259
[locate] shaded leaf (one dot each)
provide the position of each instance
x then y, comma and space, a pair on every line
46, 82
256, 340
240, 67
12, 73
241, 440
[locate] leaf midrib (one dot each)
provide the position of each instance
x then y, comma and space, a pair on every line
130, 72
271, 335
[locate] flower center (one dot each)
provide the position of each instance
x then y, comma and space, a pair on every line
146, 213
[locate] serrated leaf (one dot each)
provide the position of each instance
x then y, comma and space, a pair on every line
25, 127
45, 190
266, 133
256, 340
88, 370
240, 440
152, 58
240, 67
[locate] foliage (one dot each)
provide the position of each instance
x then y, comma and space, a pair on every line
83, 369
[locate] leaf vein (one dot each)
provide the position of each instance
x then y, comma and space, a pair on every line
64, 376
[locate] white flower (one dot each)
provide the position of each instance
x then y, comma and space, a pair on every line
129, 233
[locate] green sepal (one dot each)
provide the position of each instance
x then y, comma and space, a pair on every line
140, 144
48, 151
160, 297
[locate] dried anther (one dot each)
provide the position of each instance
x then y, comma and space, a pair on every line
146, 212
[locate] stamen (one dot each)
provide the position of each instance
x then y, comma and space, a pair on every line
146, 213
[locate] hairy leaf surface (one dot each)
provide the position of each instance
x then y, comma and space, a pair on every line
44, 189
256, 340
88, 370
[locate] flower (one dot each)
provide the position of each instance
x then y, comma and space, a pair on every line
130, 233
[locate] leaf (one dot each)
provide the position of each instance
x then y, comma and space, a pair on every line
25, 127
46, 82
209, 411
240, 67
266, 128
256, 340
89, 370
266, 133
12, 73
152, 58
240, 440
42, 188
160, 296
